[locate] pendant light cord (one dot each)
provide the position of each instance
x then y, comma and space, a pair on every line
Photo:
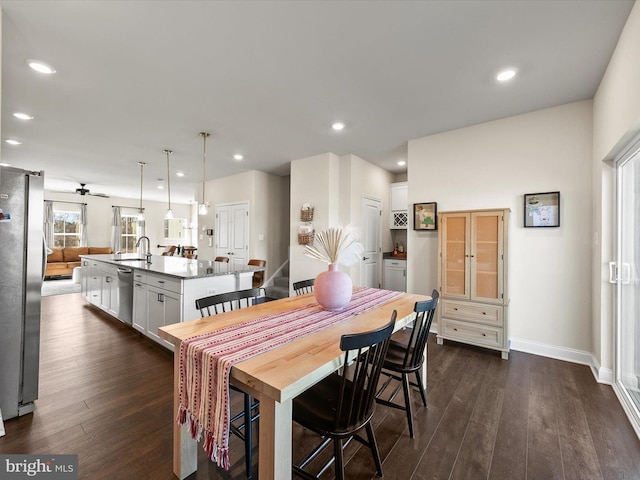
204, 135
168, 152
142, 164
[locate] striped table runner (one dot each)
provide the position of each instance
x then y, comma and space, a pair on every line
206, 360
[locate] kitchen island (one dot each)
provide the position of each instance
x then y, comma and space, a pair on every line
151, 295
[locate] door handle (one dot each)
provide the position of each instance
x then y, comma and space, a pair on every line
613, 272
365, 258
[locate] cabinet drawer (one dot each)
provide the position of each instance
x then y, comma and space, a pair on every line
140, 276
473, 333
474, 312
392, 263
165, 282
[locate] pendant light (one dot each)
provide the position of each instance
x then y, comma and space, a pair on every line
203, 208
141, 210
169, 213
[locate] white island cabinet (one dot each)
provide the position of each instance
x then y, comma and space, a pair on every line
164, 291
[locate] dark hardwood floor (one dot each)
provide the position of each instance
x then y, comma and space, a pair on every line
106, 395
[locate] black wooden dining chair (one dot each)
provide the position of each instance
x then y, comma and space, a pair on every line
405, 359
226, 302
342, 404
304, 286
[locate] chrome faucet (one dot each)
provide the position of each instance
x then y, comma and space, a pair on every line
148, 250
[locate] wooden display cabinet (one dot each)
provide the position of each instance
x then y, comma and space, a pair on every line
472, 278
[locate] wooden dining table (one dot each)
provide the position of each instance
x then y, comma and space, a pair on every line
277, 376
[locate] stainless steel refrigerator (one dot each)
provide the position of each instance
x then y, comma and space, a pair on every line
21, 271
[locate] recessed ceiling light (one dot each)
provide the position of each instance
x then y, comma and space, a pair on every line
402, 163
180, 174
160, 187
506, 75
13, 142
237, 156
338, 126
41, 67
23, 116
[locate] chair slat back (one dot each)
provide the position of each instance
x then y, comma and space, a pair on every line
226, 302
414, 355
304, 286
221, 259
364, 356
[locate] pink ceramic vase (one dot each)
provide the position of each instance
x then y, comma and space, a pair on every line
333, 289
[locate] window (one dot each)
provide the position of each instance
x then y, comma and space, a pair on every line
67, 229
128, 233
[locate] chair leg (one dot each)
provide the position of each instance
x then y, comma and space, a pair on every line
248, 440
423, 391
337, 452
407, 402
374, 448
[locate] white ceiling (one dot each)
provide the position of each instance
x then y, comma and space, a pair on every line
267, 79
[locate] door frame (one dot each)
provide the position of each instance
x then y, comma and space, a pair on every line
629, 406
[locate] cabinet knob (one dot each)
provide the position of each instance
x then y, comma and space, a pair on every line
484, 334
455, 308
484, 313
455, 329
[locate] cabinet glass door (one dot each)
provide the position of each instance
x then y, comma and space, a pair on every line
455, 238
486, 253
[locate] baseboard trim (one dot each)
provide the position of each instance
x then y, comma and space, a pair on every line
602, 375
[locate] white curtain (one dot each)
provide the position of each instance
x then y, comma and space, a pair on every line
116, 230
48, 222
83, 222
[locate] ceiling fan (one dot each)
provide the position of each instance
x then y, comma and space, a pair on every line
86, 191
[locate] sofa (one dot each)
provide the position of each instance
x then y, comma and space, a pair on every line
62, 261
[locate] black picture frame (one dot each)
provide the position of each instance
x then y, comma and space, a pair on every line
425, 216
542, 210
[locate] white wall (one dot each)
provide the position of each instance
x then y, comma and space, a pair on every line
268, 197
99, 217
616, 119
314, 180
492, 165
366, 179
334, 186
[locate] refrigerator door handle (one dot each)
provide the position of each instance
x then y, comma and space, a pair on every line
44, 255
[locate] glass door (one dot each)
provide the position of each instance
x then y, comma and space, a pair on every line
625, 274
455, 251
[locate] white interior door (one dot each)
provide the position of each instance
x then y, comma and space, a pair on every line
371, 211
625, 274
232, 227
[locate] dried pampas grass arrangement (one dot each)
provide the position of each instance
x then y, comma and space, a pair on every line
335, 245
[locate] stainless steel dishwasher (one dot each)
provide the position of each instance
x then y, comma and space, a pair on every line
125, 294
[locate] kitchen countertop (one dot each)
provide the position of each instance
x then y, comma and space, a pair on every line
179, 267
389, 255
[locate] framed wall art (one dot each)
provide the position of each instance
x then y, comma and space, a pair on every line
425, 216
542, 209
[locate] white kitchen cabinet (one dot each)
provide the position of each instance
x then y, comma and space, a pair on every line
398, 205
84, 282
159, 298
395, 275
140, 317
108, 287
472, 278
163, 308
